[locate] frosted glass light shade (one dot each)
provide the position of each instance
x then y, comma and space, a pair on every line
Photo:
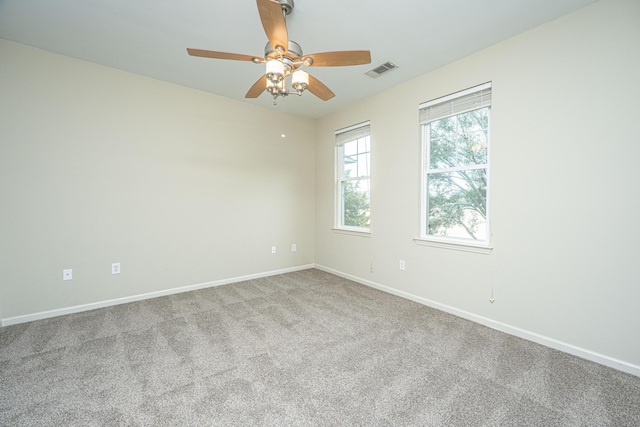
275, 70
300, 80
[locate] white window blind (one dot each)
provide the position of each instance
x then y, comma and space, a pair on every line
456, 103
352, 133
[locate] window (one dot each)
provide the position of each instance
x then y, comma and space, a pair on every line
455, 171
353, 174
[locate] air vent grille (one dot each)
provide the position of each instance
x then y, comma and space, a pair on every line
381, 69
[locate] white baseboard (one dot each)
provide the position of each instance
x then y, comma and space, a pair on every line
92, 306
512, 330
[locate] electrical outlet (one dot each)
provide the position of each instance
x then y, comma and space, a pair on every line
294, 248
273, 249
67, 274
115, 268
401, 264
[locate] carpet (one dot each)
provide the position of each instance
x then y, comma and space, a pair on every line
299, 349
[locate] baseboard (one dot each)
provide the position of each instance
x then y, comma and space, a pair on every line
92, 306
512, 330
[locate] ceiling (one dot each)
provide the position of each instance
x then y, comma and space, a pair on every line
150, 37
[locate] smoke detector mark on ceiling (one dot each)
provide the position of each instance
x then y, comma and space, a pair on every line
381, 69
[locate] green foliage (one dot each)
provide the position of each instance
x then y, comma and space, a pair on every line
457, 199
356, 205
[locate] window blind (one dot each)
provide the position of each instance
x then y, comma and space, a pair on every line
456, 103
352, 133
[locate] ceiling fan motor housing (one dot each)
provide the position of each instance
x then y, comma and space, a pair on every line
291, 58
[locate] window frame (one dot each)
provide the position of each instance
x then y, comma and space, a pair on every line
359, 131
449, 242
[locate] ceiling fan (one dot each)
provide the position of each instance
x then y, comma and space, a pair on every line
284, 57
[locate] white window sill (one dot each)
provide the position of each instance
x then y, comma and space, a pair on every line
352, 232
456, 246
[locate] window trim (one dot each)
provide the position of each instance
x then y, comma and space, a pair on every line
353, 231
338, 163
445, 242
463, 246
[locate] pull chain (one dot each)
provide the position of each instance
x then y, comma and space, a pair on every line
283, 134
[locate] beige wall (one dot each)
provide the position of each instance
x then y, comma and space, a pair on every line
564, 198
179, 186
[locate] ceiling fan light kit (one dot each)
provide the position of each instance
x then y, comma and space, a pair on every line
284, 57
300, 80
275, 70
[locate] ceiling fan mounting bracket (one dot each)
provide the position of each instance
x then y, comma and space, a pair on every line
287, 6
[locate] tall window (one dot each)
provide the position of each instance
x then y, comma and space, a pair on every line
353, 175
455, 147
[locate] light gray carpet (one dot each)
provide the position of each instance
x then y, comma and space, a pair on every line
304, 348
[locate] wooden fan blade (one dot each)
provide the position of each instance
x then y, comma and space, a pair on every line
274, 24
340, 58
223, 55
257, 88
317, 88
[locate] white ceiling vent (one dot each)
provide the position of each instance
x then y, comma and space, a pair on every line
381, 69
